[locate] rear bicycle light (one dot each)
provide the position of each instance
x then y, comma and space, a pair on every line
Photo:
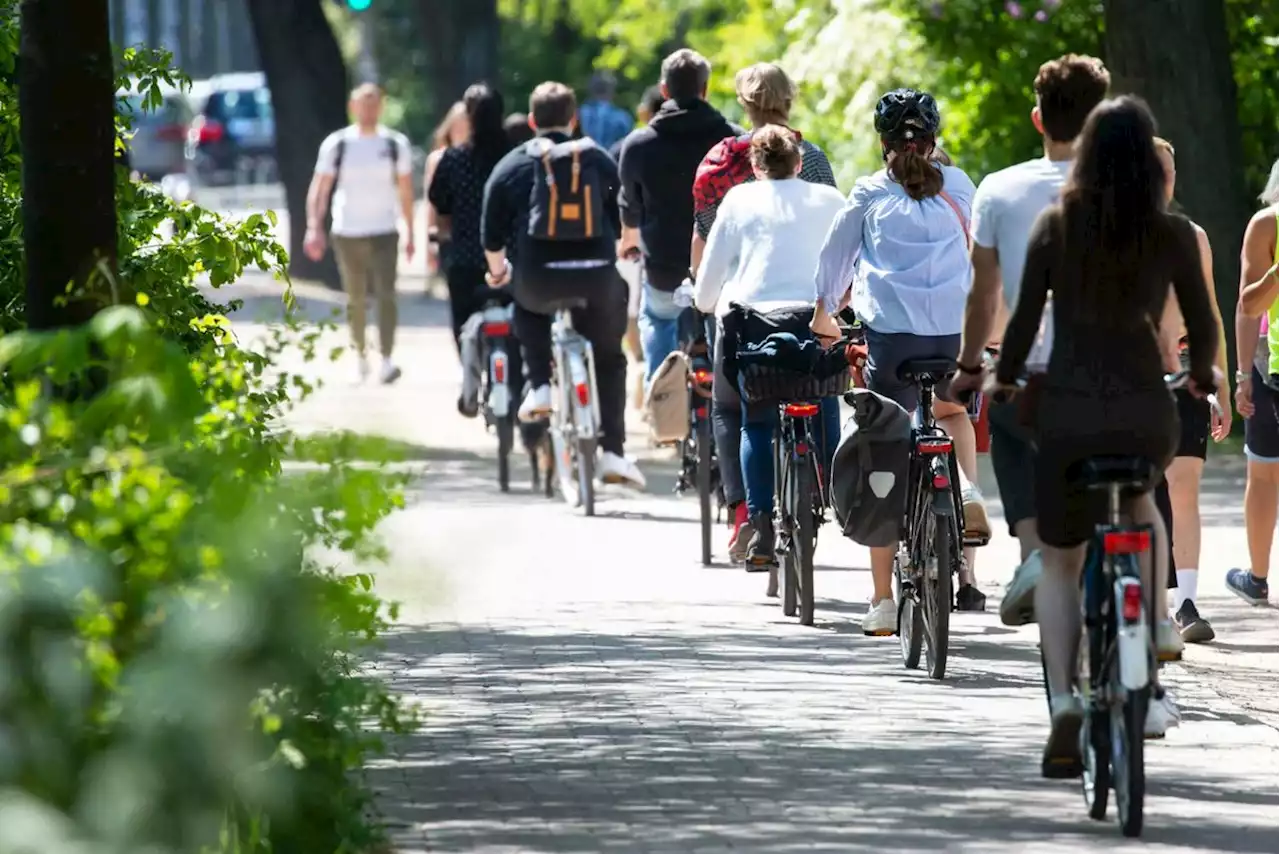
932, 446
1131, 602
499, 368
941, 481
496, 330
800, 410
1126, 542
702, 377
583, 393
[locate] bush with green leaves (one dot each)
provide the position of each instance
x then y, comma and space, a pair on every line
178, 670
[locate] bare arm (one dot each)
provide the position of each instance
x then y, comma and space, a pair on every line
696, 247
983, 304
1206, 269
318, 200
1024, 323
1257, 265
1194, 303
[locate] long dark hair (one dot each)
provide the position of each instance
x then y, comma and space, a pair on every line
1113, 204
486, 112
911, 163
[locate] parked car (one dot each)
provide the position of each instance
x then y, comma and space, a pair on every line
156, 147
232, 139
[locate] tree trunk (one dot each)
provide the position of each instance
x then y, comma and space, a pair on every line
1185, 75
68, 157
462, 43
308, 82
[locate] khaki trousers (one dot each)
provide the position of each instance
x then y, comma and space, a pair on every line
364, 263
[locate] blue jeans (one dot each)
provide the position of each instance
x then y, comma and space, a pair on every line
659, 329
759, 423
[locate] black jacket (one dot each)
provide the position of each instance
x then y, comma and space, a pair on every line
657, 166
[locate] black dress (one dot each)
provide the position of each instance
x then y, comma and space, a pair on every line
1104, 392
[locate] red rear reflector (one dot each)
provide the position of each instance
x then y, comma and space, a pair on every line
702, 377
1126, 542
497, 330
800, 410
941, 481
1131, 605
933, 446
701, 412
802, 447
499, 370
584, 395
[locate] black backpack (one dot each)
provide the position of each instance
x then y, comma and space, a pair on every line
567, 199
393, 152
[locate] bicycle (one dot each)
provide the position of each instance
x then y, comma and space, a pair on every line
930, 548
575, 410
699, 466
495, 391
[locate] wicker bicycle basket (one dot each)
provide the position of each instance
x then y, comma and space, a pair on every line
767, 384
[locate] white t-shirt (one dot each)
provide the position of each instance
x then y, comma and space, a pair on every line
1005, 208
764, 245
366, 201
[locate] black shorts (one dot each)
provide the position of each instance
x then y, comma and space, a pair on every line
1260, 435
1193, 429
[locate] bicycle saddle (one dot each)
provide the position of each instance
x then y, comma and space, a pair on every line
1129, 472
931, 369
567, 304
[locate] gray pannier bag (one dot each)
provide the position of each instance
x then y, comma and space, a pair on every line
869, 473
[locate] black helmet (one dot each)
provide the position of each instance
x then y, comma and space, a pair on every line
900, 111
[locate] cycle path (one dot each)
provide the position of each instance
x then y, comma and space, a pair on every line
588, 686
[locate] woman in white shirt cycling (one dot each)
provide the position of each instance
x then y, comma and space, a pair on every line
902, 241
761, 253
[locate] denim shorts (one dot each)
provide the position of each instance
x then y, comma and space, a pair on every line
887, 351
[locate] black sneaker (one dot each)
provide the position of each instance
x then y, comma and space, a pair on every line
1193, 627
468, 409
1248, 586
970, 598
760, 553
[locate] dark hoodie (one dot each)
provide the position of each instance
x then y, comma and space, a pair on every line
657, 166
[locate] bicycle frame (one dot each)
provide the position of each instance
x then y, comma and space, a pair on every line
576, 375
496, 333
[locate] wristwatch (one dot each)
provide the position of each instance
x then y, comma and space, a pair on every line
1241, 376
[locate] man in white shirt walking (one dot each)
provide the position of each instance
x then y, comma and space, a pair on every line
365, 169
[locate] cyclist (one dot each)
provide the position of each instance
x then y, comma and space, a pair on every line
762, 248
1256, 394
766, 93
1107, 252
452, 132
650, 102
1004, 209
546, 270
365, 169
517, 128
1197, 422
600, 119
902, 241
657, 167
457, 191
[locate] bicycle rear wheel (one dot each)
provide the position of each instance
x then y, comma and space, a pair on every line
910, 622
936, 593
587, 476
1128, 718
803, 537
506, 438
702, 441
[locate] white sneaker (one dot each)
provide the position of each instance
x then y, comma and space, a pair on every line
615, 469
362, 369
1162, 715
536, 404
881, 619
390, 373
976, 524
1018, 607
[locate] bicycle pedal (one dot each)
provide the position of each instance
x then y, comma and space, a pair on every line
1168, 658
976, 542
883, 633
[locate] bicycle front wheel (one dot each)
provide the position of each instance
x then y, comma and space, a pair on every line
803, 537
1128, 771
936, 597
702, 441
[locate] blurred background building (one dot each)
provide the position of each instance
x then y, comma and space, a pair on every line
206, 37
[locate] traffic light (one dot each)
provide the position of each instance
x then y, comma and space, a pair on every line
359, 5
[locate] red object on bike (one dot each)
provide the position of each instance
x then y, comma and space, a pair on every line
1131, 605
499, 369
802, 448
982, 427
933, 446
800, 410
701, 412
1126, 542
856, 354
584, 394
702, 377
941, 481
497, 330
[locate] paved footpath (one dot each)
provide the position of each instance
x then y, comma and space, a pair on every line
589, 687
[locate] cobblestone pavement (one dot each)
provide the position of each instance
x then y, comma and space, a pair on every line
589, 687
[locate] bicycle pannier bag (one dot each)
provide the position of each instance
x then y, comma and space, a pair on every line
667, 401
567, 200
869, 473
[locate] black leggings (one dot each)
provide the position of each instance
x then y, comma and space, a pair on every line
467, 295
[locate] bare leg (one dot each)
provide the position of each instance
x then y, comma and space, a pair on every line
1028, 537
1058, 612
1154, 563
1261, 502
1184, 494
882, 572
955, 421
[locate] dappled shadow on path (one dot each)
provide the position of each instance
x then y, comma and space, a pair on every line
634, 736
